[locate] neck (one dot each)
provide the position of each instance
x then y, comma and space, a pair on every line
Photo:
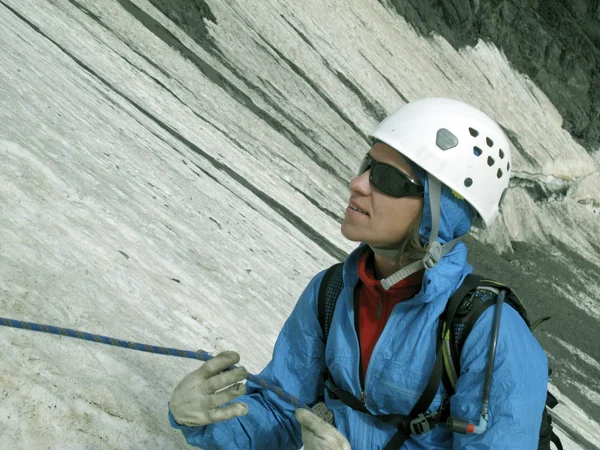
383, 267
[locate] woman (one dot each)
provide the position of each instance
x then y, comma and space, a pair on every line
437, 166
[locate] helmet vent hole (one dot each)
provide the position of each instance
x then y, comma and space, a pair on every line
499, 173
468, 182
507, 166
477, 151
490, 161
489, 142
473, 132
501, 153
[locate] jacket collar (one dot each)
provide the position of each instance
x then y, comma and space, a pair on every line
438, 283
405, 288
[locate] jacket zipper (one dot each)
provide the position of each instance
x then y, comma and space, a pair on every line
363, 395
362, 389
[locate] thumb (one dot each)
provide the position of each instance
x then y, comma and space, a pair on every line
308, 419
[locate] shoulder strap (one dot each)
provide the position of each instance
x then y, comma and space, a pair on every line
329, 291
437, 374
475, 296
478, 295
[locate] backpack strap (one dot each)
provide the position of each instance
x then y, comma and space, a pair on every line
477, 295
417, 414
547, 434
331, 287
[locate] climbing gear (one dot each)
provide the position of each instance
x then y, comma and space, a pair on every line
435, 251
462, 311
460, 425
389, 179
457, 144
200, 354
478, 295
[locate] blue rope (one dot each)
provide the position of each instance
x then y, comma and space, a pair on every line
200, 354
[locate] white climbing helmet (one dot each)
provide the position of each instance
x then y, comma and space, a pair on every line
456, 143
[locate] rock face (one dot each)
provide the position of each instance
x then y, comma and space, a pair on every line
555, 42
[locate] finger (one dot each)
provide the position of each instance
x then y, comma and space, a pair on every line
312, 422
229, 412
192, 420
190, 417
224, 396
219, 363
225, 379
194, 417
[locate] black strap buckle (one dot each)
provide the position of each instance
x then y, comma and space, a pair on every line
419, 425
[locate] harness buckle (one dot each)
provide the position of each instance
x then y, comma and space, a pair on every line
419, 425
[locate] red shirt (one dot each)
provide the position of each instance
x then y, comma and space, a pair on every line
375, 305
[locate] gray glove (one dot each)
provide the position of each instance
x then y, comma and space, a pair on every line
195, 401
318, 434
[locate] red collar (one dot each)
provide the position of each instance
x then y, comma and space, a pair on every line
406, 288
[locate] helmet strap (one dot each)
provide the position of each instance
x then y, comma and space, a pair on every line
435, 250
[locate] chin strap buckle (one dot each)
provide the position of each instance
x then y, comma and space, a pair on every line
434, 254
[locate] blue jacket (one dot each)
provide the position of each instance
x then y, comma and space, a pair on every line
399, 368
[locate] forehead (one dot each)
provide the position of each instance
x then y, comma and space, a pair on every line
384, 153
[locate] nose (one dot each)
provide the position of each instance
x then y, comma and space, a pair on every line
360, 184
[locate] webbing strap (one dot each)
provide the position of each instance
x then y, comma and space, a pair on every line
438, 367
406, 424
435, 251
551, 401
328, 295
421, 405
450, 375
556, 441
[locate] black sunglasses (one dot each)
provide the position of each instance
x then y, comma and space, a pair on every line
390, 180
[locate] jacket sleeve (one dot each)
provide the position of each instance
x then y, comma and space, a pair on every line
518, 390
296, 366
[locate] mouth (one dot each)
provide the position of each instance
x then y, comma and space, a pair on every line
356, 210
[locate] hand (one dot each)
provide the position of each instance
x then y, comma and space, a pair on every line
318, 434
195, 401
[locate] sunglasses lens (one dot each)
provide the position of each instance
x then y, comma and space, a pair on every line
389, 180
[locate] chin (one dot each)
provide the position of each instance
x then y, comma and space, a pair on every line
351, 233
355, 234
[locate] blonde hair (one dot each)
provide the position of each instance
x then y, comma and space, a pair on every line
411, 249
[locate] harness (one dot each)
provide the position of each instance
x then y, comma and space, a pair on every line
462, 311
